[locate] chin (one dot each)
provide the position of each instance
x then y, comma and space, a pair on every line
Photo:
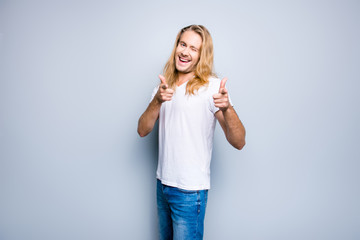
182, 70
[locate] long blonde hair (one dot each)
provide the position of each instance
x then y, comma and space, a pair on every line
204, 68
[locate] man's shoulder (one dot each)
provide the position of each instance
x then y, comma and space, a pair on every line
213, 79
214, 83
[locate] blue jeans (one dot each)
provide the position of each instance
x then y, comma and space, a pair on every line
181, 213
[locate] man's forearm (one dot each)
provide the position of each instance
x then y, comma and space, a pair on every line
148, 118
235, 131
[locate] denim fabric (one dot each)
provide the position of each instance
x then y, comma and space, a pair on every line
181, 213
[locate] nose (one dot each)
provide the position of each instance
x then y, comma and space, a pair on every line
185, 51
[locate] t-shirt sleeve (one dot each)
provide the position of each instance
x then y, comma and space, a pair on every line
154, 92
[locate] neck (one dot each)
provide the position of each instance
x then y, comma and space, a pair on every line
184, 77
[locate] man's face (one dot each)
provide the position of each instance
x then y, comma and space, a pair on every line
188, 52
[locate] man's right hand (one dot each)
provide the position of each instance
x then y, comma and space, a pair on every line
164, 93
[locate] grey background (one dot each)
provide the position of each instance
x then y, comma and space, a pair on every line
75, 76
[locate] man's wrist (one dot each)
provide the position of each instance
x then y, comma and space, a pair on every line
158, 101
225, 109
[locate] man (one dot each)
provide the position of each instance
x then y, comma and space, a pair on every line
187, 103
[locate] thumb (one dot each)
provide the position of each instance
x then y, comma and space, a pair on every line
222, 85
162, 79
163, 82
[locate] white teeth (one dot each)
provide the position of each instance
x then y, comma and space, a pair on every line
184, 60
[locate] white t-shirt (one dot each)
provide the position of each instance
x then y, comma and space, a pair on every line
186, 130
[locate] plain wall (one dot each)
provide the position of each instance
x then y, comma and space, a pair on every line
76, 75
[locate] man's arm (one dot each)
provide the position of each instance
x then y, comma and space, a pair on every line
233, 128
148, 118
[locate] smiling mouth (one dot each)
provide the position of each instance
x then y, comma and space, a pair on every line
183, 60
